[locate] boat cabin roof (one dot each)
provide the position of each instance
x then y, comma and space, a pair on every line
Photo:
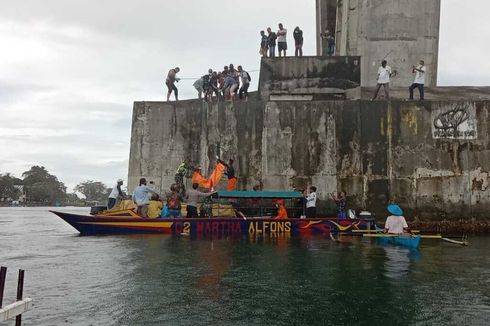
259, 194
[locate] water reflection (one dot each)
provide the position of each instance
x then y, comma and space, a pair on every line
399, 260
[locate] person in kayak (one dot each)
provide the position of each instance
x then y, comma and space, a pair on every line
395, 223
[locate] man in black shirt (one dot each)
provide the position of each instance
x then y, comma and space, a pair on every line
271, 42
230, 172
298, 41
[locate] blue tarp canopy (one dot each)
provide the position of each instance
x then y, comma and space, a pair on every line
259, 194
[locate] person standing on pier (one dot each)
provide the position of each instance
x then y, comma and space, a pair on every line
271, 42
141, 198
245, 77
170, 82
282, 44
115, 193
419, 81
383, 78
263, 44
298, 42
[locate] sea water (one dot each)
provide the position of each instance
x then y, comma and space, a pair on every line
165, 280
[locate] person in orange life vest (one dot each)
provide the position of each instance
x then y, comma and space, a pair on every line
281, 210
230, 173
213, 179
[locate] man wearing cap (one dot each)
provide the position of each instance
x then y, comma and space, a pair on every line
395, 223
115, 193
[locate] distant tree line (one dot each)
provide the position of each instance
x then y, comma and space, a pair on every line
39, 187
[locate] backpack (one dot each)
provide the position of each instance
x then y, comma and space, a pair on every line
173, 202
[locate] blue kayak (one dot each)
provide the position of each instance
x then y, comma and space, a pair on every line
410, 242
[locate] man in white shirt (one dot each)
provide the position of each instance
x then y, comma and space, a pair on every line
282, 44
383, 78
115, 193
419, 81
395, 223
311, 202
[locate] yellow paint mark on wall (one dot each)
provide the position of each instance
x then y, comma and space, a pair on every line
409, 118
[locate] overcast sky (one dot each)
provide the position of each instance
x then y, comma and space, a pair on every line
70, 70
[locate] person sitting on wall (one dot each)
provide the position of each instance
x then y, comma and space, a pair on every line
115, 194
281, 210
155, 206
141, 198
341, 202
395, 223
310, 196
193, 197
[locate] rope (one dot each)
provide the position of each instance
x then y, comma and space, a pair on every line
194, 78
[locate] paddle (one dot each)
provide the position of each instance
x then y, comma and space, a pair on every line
386, 235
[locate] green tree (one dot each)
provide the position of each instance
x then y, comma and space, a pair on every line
43, 187
7, 189
92, 190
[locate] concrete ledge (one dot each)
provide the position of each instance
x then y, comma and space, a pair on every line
465, 93
15, 309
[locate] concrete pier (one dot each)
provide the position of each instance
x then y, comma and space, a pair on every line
377, 151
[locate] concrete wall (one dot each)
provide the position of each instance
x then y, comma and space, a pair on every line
402, 32
308, 78
433, 157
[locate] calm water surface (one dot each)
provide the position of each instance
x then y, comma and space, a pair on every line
161, 280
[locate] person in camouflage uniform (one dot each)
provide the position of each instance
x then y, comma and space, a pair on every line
206, 209
182, 171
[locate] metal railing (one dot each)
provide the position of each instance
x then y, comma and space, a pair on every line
17, 308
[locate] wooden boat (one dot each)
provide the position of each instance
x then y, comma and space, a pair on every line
245, 223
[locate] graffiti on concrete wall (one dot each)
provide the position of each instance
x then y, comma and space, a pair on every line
456, 123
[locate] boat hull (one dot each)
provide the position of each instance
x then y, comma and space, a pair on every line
409, 242
205, 227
